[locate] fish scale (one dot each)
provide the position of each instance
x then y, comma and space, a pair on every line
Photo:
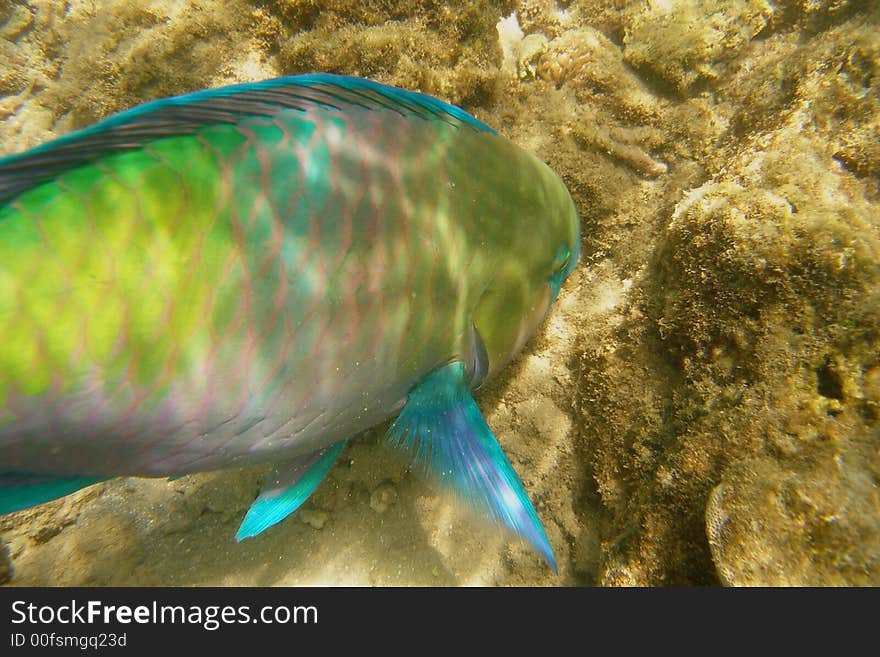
222, 249
257, 273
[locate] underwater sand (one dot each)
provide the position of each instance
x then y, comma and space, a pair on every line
701, 407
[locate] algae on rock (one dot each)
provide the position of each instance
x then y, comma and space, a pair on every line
683, 42
754, 328
813, 521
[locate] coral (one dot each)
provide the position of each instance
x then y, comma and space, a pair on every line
750, 335
611, 17
621, 144
532, 48
684, 42
814, 521
547, 17
451, 52
520, 52
786, 229
762, 274
585, 58
759, 316
815, 15
403, 53
838, 74
14, 21
11, 78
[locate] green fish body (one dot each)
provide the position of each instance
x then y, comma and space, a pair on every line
259, 272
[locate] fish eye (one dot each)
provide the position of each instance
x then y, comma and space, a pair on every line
560, 269
564, 264
563, 258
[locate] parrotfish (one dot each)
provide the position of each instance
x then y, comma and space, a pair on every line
256, 274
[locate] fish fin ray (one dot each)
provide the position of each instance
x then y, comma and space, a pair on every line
288, 486
442, 426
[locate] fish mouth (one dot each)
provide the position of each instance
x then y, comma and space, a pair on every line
535, 318
498, 356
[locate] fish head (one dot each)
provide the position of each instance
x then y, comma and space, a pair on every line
535, 251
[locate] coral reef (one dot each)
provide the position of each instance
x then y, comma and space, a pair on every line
684, 42
813, 521
702, 405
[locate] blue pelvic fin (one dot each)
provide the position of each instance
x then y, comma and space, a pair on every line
22, 490
442, 425
286, 489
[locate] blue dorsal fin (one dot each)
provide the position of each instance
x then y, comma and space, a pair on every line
184, 115
286, 489
442, 426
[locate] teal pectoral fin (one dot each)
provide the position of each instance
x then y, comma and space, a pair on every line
22, 490
286, 489
443, 426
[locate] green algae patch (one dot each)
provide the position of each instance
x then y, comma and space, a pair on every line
685, 42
